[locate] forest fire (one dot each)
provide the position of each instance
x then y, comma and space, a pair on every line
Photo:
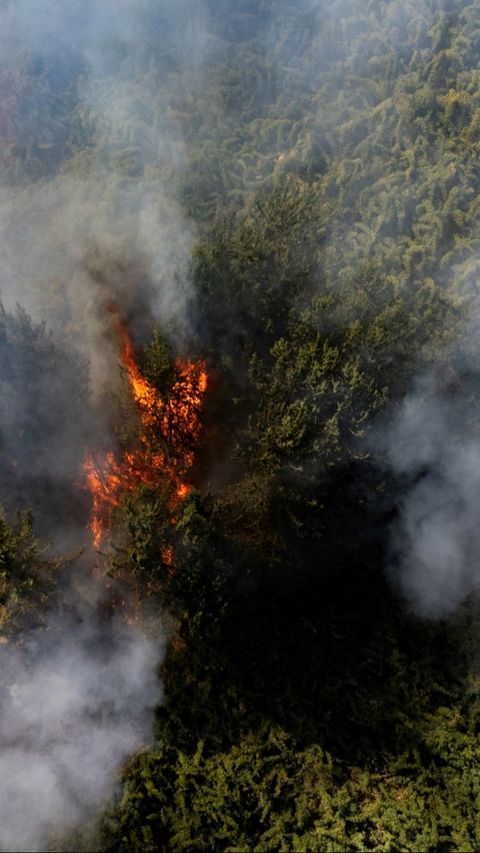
170, 426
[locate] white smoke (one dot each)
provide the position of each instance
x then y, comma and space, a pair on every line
435, 545
76, 701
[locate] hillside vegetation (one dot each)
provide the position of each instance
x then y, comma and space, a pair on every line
312, 173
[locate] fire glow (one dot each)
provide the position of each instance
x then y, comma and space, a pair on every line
176, 420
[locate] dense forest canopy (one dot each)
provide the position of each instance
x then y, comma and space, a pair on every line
283, 195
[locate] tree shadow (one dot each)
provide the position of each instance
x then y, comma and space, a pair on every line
321, 646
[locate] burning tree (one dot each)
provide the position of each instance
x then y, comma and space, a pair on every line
168, 395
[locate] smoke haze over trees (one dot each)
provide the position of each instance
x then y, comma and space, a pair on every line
280, 650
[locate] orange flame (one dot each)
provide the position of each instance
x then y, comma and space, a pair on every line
176, 421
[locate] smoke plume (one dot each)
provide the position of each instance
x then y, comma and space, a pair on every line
76, 702
431, 445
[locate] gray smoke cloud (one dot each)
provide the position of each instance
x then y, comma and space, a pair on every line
432, 445
49, 232
75, 702
114, 199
